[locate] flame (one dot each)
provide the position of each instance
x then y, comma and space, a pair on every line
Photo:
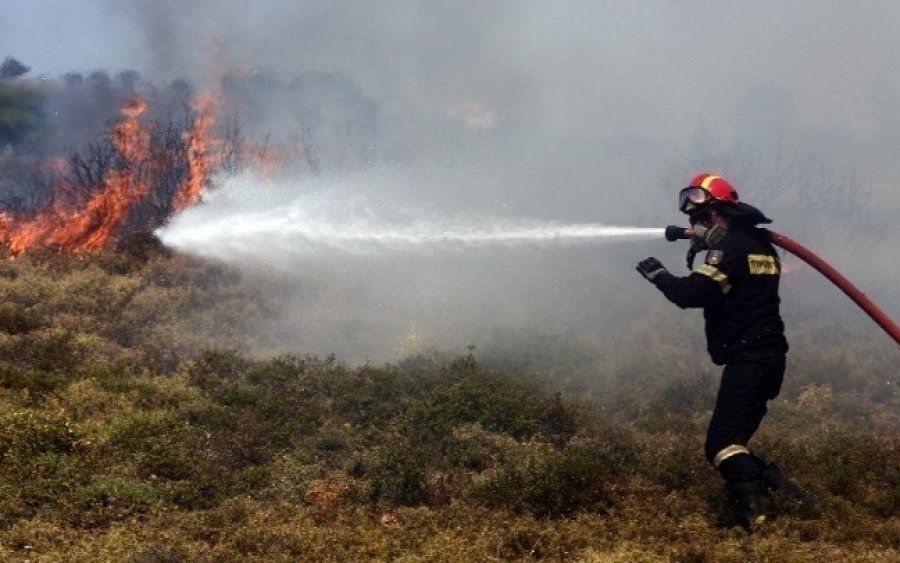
92, 226
265, 158
80, 221
84, 218
268, 158
200, 157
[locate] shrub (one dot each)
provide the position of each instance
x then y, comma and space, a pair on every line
369, 397
549, 483
675, 405
398, 476
472, 448
214, 370
19, 320
103, 423
36, 383
159, 443
27, 433
859, 467
463, 394
88, 399
676, 462
106, 499
51, 349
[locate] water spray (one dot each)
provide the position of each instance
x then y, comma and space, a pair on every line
367, 239
674, 232
246, 217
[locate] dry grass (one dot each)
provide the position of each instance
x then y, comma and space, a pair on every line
122, 439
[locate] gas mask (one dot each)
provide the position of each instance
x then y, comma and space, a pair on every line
706, 234
710, 235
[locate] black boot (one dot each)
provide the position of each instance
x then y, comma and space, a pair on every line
749, 503
777, 481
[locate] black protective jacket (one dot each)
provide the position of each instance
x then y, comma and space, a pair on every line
737, 287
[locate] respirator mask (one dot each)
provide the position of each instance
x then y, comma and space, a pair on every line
706, 228
706, 233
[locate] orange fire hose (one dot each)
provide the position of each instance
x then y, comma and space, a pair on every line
853, 292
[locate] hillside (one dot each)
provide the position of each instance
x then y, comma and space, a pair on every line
138, 424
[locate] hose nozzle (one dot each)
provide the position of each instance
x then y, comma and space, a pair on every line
674, 232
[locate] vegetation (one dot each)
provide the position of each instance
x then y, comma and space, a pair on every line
135, 425
20, 113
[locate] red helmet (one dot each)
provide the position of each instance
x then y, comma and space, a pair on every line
706, 189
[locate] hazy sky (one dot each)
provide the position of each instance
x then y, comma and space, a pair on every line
653, 67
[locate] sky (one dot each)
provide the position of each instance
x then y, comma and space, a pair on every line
655, 66
573, 110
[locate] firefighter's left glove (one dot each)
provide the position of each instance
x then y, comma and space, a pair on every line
651, 268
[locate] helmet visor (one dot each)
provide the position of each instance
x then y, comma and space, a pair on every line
692, 197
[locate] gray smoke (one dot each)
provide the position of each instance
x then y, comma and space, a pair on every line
569, 112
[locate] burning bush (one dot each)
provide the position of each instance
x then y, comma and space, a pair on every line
148, 165
129, 182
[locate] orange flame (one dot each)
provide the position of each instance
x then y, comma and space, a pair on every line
81, 221
93, 226
267, 158
200, 157
90, 222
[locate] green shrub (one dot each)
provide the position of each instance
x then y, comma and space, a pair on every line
462, 394
862, 468
676, 462
112, 418
398, 476
214, 371
26, 433
472, 448
50, 349
87, 399
368, 397
239, 444
565, 361
36, 383
15, 319
105, 499
159, 443
682, 404
549, 483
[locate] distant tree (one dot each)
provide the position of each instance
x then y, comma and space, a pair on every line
12, 68
73, 79
100, 80
323, 118
20, 113
129, 79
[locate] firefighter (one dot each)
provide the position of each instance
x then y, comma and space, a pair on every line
737, 288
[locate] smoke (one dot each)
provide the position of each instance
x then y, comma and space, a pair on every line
504, 115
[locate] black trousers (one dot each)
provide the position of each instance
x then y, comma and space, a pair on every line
745, 389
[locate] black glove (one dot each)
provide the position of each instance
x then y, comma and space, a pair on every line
650, 268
